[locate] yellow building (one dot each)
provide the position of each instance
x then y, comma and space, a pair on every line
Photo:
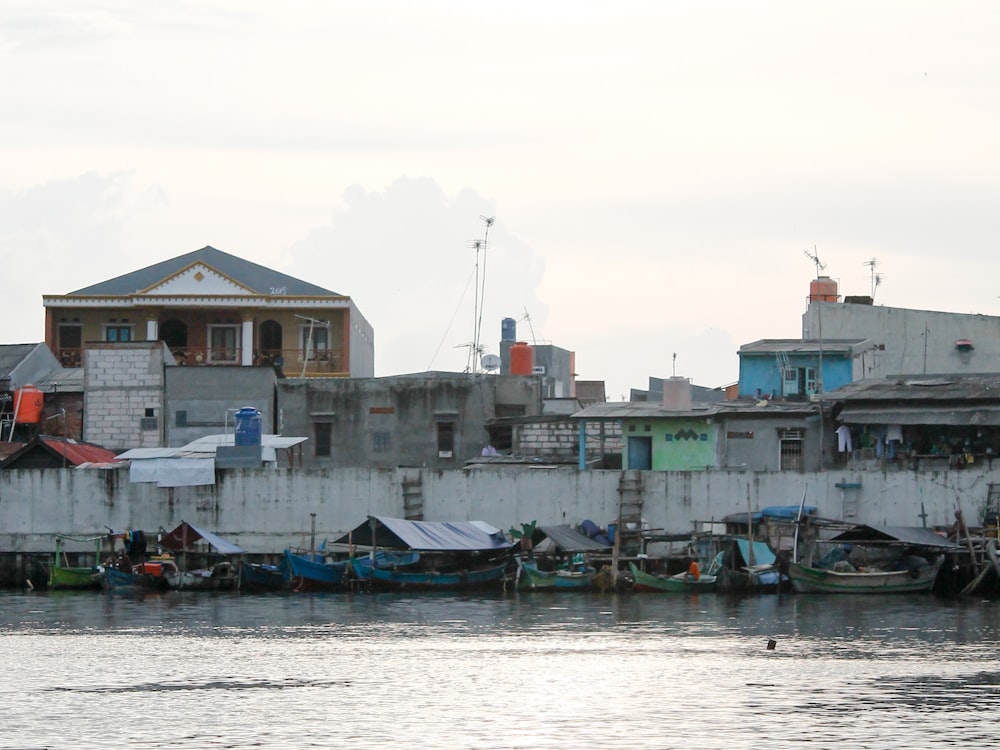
210, 307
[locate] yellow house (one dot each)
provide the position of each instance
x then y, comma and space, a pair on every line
210, 307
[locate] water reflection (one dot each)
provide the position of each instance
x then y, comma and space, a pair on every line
186, 670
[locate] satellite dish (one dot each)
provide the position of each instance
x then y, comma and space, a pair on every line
490, 362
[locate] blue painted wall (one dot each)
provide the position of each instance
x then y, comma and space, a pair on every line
761, 373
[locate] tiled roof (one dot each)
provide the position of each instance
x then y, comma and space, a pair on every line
252, 275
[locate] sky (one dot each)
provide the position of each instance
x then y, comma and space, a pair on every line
662, 175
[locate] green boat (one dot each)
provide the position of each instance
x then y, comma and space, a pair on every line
573, 577
682, 582
66, 577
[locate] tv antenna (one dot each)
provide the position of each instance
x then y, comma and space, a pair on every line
477, 313
876, 278
814, 257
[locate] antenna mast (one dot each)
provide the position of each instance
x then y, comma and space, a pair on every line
475, 349
875, 277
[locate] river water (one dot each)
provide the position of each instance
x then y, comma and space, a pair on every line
188, 670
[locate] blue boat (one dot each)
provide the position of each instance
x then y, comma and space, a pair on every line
432, 555
262, 577
312, 571
148, 576
439, 580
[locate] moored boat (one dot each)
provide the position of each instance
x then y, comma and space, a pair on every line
63, 576
681, 582
313, 571
574, 577
919, 578
262, 576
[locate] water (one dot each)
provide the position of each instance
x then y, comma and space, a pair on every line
188, 670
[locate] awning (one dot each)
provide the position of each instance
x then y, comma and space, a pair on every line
568, 539
959, 416
186, 535
426, 536
916, 536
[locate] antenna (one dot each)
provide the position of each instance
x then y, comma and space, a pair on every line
876, 278
675, 365
815, 259
477, 313
527, 317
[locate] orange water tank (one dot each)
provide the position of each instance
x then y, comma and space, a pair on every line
28, 403
823, 289
522, 358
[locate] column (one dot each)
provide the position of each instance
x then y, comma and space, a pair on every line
246, 346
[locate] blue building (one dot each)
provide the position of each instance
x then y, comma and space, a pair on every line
797, 369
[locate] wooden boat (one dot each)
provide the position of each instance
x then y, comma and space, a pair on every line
829, 581
681, 582
313, 571
146, 576
63, 576
576, 577
207, 562
262, 577
439, 580
222, 576
450, 555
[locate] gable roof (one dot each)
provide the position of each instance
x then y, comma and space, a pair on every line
11, 355
253, 276
73, 452
423, 536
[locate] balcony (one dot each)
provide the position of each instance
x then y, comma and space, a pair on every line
293, 362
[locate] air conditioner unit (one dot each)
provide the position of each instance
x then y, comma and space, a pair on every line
538, 370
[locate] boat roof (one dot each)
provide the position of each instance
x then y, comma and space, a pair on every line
568, 539
426, 536
898, 535
186, 535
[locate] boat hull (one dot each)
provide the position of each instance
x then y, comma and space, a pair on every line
806, 580
438, 580
73, 579
647, 582
531, 578
255, 577
307, 574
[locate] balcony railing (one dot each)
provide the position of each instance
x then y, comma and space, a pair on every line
293, 362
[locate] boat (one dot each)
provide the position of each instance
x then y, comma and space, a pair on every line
432, 555
62, 576
263, 576
151, 575
452, 579
574, 577
218, 559
875, 560
308, 570
683, 582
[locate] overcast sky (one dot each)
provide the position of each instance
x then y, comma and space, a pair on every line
657, 170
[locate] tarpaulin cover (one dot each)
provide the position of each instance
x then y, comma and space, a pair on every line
789, 512
568, 539
448, 536
186, 535
174, 472
899, 535
762, 554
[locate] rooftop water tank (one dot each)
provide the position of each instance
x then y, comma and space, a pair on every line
823, 289
508, 329
247, 427
522, 358
28, 404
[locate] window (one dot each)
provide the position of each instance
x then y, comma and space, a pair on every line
181, 418
315, 341
790, 448
446, 439
323, 432
117, 332
222, 343
149, 423
381, 441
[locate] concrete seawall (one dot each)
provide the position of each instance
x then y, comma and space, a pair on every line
267, 510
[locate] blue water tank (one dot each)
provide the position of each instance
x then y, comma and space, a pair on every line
508, 329
247, 426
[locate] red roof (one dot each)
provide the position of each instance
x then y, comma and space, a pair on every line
79, 453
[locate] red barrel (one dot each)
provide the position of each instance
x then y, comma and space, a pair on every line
28, 405
522, 358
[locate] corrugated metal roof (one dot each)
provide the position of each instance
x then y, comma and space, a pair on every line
806, 346
960, 416
920, 388
568, 539
426, 536
699, 410
252, 275
11, 355
78, 453
911, 535
66, 379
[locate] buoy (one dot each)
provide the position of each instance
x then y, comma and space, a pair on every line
771, 643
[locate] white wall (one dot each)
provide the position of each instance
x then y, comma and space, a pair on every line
267, 510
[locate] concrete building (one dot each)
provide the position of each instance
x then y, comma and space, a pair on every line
794, 369
202, 400
210, 307
435, 420
907, 341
